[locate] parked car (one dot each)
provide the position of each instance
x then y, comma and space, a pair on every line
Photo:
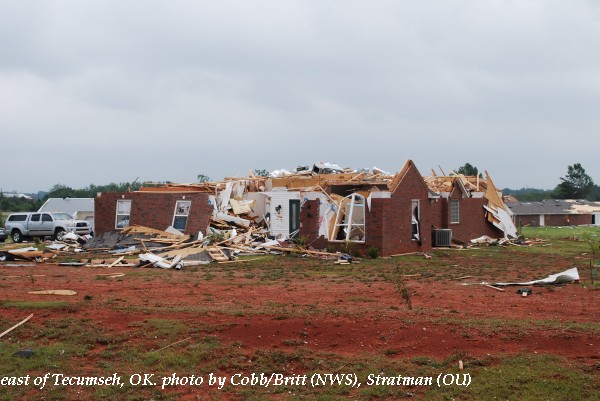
25, 225
2, 235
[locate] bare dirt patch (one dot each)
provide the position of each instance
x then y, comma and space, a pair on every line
343, 314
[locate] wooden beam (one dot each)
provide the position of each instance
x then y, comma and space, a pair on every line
116, 261
16, 325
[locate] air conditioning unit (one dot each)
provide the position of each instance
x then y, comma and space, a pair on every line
442, 237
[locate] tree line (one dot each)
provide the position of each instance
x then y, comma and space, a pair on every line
576, 184
20, 204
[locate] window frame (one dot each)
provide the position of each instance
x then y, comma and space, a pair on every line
454, 211
183, 212
415, 235
350, 224
119, 217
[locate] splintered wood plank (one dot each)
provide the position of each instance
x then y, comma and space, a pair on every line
216, 254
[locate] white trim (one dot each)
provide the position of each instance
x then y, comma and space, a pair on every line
122, 214
349, 226
181, 211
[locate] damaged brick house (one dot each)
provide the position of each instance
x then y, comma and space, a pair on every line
327, 207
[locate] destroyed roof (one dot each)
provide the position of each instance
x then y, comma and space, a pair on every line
441, 184
554, 206
325, 175
322, 175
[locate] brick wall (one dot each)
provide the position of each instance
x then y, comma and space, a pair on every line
154, 210
554, 220
473, 222
396, 218
567, 219
309, 224
533, 220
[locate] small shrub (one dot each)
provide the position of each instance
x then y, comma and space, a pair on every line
301, 241
373, 252
406, 296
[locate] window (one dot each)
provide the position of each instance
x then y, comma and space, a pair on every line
35, 217
17, 217
416, 235
454, 211
47, 217
182, 211
123, 212
350, 220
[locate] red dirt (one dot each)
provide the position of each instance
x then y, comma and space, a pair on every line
330, 314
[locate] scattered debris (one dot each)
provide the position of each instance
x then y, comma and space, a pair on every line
53, 292
15, 326
567, 276
524, 291
170, 345
24, 353
495, 288
158, 261
112, 275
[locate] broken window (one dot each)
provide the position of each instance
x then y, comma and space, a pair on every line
416, 235
182, 211
350, 220
123, 212
454, 211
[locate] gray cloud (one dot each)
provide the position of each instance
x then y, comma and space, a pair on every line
169, 90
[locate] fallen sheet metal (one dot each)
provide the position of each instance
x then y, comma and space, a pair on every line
157, 261
568, 276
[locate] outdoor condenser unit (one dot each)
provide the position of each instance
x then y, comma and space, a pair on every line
442, 237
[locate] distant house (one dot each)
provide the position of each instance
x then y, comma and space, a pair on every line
555, 212
395, 213
79, 208
17, 195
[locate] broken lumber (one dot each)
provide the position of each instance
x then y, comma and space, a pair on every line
461, 277
241, 260
216, 254
297, 250
116, 261
53, 292
405, 254
15, 326
170, 345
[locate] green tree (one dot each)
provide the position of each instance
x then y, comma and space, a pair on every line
469, 170
529, 194
203, 178
61, 191
576, 185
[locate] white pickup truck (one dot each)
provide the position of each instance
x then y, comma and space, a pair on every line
26, 225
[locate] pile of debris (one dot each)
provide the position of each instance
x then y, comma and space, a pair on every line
71, 244
145, 247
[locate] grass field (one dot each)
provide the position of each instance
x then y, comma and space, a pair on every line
571, 232
299, 317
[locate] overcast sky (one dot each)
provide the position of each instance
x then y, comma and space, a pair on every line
93, 92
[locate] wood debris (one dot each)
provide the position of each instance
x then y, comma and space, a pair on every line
53, 292
15, 326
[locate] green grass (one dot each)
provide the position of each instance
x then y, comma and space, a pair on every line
568, 232
72, 345
34, 304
